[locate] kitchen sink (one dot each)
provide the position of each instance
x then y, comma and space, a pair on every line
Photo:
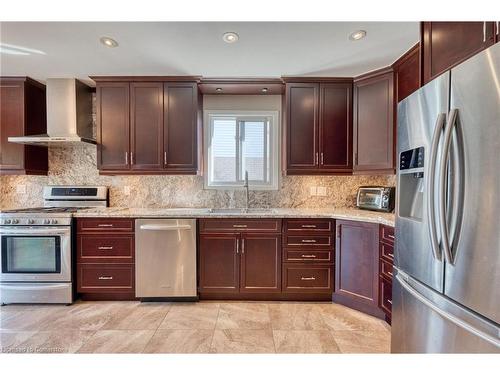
242, 210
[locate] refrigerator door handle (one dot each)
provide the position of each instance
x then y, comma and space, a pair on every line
446, 315
431, 217
445, 240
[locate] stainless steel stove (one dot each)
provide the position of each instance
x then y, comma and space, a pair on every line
36, 245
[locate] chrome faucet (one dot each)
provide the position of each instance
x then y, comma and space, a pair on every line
247, 192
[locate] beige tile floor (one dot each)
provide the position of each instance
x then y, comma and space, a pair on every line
203, 327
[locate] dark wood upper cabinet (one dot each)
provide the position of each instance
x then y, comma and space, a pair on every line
219, 267
335, 127
302, 101
22, 112
146, 125
260, 262
181, 119
407, 73
356, 266
113, 126
374, 123
318, 134
446, 44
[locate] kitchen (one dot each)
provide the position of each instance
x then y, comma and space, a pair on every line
203, 210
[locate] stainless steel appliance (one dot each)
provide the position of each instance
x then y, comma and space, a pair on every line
446, 289
36, 246
165, 259
375, 198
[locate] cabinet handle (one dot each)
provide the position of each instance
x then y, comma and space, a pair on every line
316, 162
105, 277
307, 278
308, 226
126, 157
389, 273
390, 236
165, 158
104, 225
484, 32
322, 159
356, 158
105, 247
243, 246
308, 241
308, 256
390, 301
237, 246
131, 157
239, 225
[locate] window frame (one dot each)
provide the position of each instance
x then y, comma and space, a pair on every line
272, 164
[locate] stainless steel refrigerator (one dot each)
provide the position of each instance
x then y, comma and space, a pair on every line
446, 288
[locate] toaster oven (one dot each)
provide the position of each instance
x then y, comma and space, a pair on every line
376, 198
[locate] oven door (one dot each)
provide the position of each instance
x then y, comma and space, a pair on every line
35, 254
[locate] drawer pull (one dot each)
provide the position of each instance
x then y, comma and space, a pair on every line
389, 273
390, 301
240, 226
307, 278
104, 225
105, 247
308, 256
308, 226
105, 277
309, 241
390, 236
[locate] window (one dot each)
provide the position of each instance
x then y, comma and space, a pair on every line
238, 143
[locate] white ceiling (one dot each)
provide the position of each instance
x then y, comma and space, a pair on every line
265, 49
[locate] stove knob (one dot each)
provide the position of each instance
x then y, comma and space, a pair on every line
6, 221
15, 221
54, 221
31, 221
46, 221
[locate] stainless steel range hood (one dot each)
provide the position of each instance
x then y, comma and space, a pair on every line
69, 114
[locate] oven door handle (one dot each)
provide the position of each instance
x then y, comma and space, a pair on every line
31, 286
34, 231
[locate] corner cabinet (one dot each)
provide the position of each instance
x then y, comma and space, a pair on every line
148, 127
23, 111
407, 73
318, 127
374, 123
446, 44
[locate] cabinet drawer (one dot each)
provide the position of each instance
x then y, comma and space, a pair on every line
307, 278
304, 255
105, 225
238, 225
97, 278
386, 269
387, 252
299, 225
307, 240
105, 248
385, 295
387, 234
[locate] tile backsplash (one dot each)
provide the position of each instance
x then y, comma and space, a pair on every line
76, 165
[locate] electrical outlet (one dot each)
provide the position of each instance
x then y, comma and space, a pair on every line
126, 190
321, 191
313, 190
21, 189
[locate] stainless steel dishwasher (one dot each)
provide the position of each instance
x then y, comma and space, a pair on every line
165, 259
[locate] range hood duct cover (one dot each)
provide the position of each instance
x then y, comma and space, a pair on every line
69, 114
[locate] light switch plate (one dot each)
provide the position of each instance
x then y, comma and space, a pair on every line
313, 190
321, 191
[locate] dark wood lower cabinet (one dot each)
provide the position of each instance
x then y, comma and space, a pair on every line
356, 266
386, 265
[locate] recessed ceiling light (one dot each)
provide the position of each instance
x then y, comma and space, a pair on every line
218, 89
357, 35
109, 42
264, 90
12, 49
230, 37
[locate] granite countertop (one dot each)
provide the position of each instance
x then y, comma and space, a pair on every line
333, 213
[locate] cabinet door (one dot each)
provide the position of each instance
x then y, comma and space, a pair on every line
356, 265
12, 124
446, 44
407, 72
219, 262
113, 147
335, 127
374, 124
146, 125
260, 262
302, 127
181, 127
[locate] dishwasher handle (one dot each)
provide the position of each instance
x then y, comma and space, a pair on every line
164, 227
